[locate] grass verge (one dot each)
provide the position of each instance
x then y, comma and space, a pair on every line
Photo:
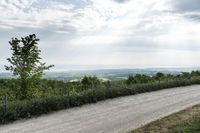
186, 121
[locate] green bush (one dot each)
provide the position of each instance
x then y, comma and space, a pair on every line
37, 106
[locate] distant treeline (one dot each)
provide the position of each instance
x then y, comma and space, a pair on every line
51, 95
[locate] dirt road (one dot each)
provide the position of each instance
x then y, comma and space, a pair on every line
111, 116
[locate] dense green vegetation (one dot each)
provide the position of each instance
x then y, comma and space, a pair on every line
50, 95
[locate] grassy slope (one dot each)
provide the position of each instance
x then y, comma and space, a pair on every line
191, 126
186, 121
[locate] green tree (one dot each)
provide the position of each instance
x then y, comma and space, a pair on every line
131, 80
25, 62
88, 82
186, 75
195, 73
159, 76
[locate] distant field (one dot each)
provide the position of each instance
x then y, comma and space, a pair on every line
107, 74
186, 121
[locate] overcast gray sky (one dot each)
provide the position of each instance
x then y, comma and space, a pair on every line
100, 33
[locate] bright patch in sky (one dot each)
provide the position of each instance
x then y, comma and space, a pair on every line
118, 33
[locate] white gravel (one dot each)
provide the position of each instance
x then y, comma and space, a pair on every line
111, 116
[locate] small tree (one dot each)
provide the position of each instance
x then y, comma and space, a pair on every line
89, 81
130, 80
25, 62
186, 75
159, 76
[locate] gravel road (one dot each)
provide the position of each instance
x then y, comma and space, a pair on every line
118, 115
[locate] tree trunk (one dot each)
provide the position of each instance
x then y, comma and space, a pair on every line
23, 89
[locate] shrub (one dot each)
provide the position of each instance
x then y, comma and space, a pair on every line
37, 106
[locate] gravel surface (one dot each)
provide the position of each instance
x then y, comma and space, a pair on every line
118, 115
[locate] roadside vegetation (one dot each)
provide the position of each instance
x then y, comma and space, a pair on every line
186, 121
29, 95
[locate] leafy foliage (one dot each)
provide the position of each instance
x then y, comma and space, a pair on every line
25, 62
89, 81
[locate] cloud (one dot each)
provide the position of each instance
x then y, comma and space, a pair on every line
195, 16
121, 1
188, 9
186, 5
38, 13
105, 31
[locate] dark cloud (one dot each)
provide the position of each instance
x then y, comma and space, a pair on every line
121, 1
194, 17
186, 5
190, 9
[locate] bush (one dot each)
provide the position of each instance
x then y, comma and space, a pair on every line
34, 107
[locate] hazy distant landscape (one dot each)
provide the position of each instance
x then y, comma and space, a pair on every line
106, 74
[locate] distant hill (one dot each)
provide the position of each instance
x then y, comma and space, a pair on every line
106, 74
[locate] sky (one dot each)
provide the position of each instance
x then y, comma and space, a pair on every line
77, 34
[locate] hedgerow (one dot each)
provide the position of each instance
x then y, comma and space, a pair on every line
15, 110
